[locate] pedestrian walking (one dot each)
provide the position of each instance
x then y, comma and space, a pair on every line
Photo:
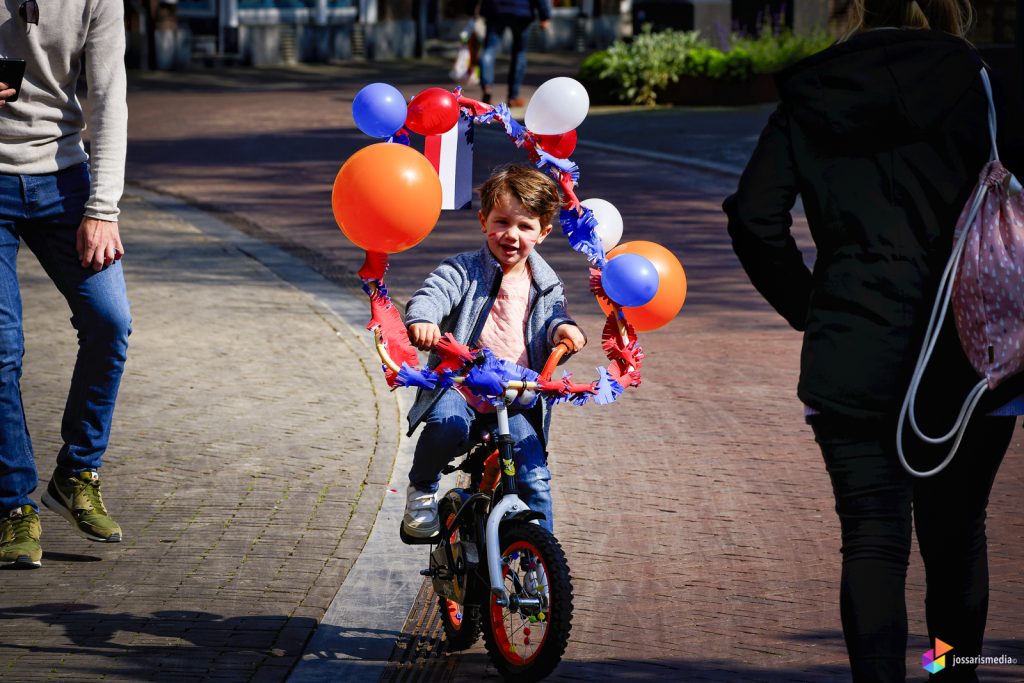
882, 136
62, 203
515, 16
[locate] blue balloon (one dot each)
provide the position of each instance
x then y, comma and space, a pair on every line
379, 110
629, 280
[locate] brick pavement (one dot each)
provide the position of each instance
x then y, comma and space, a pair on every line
242, 505
695, 512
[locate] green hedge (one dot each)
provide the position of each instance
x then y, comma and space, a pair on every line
636, 71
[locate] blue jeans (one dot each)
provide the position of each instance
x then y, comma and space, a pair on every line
492, 41
447, 427
45, 211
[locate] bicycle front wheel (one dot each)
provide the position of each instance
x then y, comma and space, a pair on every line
526, 639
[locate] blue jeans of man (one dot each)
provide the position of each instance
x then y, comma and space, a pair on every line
447, 427
45, 211
493, 38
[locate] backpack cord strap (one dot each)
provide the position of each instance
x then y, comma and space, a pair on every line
991, 114
938, 315
961, 426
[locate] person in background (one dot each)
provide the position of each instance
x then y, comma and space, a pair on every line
62, 203
883, 136
516, 16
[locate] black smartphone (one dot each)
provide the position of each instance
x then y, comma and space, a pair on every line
11, 73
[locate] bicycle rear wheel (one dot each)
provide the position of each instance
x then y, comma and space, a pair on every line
461, 622
527, 638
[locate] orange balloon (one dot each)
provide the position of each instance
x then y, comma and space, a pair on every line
386, 197
671, 286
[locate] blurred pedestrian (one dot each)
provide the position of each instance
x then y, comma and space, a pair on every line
883, 136
63, 203
516, 16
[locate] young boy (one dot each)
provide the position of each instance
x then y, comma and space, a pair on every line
503, 297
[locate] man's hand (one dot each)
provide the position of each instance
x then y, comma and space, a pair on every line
424, 336
571, 334
98, 243
6, 92
545, 24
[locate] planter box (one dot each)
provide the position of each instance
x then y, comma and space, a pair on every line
703, 90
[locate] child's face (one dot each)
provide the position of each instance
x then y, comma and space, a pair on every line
512, 232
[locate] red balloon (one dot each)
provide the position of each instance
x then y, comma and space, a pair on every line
560, 146
432, 112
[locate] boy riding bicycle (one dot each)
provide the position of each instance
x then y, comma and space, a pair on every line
503, 297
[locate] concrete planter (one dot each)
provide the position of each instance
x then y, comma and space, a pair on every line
703, 90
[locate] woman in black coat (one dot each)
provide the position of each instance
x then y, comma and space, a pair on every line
882, 136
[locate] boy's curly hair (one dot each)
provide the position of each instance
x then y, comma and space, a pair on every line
537, 192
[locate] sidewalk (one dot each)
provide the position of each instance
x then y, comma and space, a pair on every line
251, 450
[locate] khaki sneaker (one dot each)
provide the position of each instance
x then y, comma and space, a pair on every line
19, 539
78, 500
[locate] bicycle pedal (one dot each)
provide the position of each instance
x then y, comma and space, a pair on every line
416, 540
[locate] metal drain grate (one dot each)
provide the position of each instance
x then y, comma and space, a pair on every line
419, 655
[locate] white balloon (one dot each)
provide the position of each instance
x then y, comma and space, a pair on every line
558, 106
609, 222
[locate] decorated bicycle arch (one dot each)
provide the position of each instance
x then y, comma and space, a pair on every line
387, 197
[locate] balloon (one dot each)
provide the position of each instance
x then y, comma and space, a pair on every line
557, 106
379, 110
629, 280
560, 146
386, 198
665, 305
432, 112
609, 222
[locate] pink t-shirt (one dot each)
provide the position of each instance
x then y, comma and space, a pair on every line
504, 331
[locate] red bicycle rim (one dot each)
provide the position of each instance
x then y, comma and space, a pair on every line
501, 635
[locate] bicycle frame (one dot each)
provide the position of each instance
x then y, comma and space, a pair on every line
510, 503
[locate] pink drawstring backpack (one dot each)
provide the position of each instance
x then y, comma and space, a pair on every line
984, 279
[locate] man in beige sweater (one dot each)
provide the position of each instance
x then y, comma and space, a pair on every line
62, 203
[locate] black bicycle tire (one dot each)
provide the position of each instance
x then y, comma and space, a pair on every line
463, 635
559, 616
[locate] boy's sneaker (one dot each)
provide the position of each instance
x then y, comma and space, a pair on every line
19, 539
77, 499
420, 519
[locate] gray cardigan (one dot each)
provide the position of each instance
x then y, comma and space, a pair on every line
457, 297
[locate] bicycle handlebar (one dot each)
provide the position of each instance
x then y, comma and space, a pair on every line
561, 350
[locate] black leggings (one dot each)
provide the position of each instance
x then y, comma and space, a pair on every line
874, 498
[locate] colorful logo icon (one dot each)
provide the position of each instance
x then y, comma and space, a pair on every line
934, 661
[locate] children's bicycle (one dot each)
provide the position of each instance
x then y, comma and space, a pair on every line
495, 571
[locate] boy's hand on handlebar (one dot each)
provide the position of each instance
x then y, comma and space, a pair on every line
570, 334
424, 336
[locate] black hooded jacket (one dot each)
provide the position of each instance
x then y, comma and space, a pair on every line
883, 137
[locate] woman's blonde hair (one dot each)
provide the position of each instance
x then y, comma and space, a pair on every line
951, 16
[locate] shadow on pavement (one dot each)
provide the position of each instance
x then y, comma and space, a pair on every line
191, 644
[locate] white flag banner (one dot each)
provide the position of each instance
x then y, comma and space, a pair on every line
451, 153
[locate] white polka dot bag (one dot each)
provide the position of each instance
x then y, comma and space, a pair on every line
984, 280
